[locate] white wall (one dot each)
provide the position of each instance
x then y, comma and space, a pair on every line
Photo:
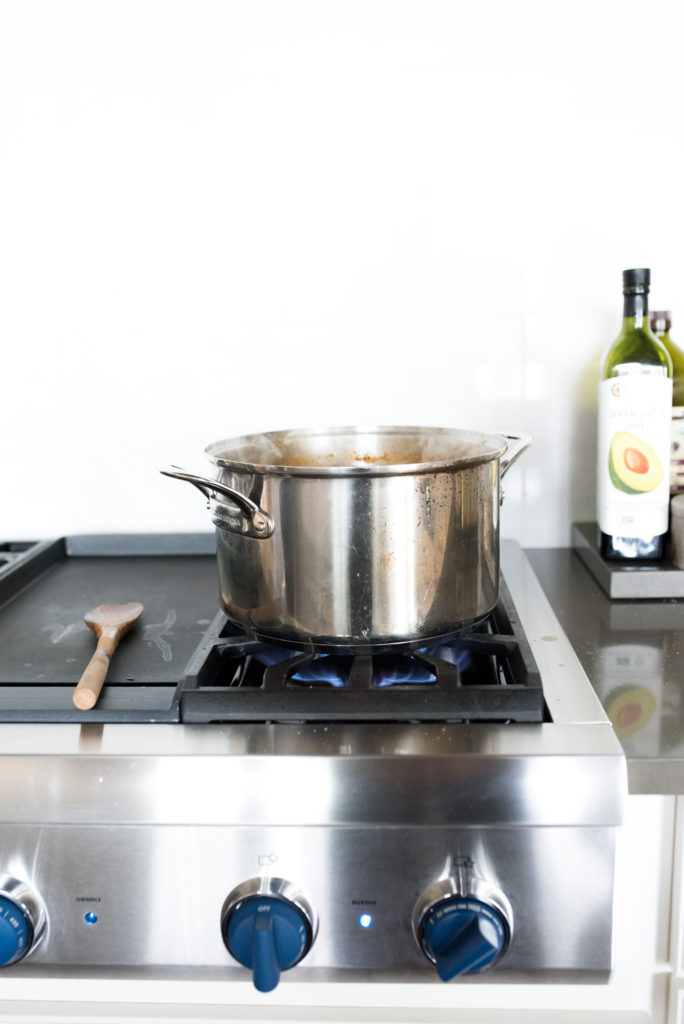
219, 217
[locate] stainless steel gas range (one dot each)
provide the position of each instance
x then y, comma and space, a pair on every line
229, 811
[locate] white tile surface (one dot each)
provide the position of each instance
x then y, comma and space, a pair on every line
225, 217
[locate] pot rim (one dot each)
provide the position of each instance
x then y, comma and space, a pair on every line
489, 446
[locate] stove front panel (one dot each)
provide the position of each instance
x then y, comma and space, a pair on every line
153, 896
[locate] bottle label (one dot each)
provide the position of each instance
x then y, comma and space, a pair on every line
677, 450
634, 455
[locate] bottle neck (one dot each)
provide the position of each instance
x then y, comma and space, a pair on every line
636, 308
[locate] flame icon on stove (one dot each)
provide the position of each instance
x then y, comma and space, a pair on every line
267, 858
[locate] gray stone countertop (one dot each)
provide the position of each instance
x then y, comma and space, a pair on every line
633, 653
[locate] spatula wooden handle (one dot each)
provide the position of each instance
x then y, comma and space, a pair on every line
89, 685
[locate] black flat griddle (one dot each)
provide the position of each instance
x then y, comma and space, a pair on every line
47, 587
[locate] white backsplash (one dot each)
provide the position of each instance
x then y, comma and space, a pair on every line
224, 218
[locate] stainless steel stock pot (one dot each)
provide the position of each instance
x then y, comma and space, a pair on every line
357, 539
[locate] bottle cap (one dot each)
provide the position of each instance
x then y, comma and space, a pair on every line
636, 280
660, 320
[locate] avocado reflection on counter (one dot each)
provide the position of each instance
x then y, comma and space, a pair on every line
629, 708
631, 684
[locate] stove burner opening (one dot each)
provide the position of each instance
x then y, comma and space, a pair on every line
405, 669
484, 674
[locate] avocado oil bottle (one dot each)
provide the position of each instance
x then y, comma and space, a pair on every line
635, 407
661, 322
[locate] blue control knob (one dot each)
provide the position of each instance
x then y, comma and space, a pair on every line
266, 931
16, 931
463, 935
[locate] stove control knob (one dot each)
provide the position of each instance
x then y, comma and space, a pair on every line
268, 925
22, 920
462, 932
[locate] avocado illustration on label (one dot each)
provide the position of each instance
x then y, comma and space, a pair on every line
629, 708
634, 467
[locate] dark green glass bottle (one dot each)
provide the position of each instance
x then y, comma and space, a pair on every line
635, 407
661, 322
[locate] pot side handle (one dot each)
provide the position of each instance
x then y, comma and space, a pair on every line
252, 521
514, 451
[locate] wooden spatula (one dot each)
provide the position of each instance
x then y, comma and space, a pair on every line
109, 622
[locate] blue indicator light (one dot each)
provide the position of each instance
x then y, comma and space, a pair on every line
90, 917
365, 920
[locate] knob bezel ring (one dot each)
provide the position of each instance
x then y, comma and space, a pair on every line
281, 888
31, 906
448, 889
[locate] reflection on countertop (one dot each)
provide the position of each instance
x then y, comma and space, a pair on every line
633, 653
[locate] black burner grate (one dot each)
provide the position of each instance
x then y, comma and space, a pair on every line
486, 674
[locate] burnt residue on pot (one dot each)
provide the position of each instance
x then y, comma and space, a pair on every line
355, 458
357, 448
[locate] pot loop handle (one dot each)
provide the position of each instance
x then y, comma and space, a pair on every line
251, 521
514, 451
